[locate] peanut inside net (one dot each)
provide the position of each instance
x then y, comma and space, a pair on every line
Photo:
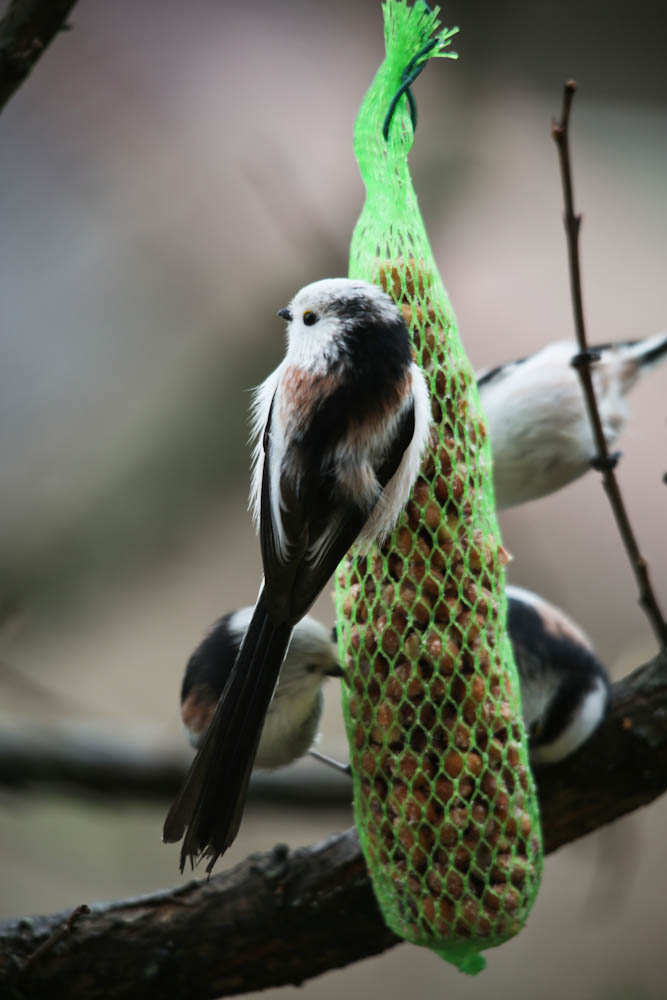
444, 797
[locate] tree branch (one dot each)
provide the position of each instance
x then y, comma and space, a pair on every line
26, 31
135, 761
604, 462
237, 932
110, 760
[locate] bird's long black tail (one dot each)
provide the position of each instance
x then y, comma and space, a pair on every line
654, 350
208, 809
640, 355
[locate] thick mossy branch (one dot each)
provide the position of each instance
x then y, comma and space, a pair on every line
285, 916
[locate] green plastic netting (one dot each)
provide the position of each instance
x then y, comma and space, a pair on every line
444, 798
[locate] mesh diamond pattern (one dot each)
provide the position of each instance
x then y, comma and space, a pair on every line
443, 794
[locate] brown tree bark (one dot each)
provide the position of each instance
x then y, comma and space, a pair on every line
285, 916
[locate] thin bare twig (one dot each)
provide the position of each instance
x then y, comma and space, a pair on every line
26, 31
604, 461
65, 928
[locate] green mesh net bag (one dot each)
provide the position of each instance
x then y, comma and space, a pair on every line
443, 795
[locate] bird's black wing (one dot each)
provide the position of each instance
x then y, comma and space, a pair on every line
281, 534
498, 374
318, 530
330, 541
404, 433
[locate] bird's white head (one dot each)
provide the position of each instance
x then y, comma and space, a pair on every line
322, 313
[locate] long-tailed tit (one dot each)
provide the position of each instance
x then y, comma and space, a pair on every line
538, 426
564, 687
340, 428
291, 722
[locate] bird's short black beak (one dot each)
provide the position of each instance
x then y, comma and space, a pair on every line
285, 314
335, 671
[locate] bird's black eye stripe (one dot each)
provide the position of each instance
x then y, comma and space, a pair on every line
309, 317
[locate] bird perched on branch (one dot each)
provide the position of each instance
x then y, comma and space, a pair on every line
540, 434
291, 722
340, 427
564, 686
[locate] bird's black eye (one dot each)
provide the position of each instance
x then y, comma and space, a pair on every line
309, 317
311, 668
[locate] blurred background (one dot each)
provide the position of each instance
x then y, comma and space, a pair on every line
171, 175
